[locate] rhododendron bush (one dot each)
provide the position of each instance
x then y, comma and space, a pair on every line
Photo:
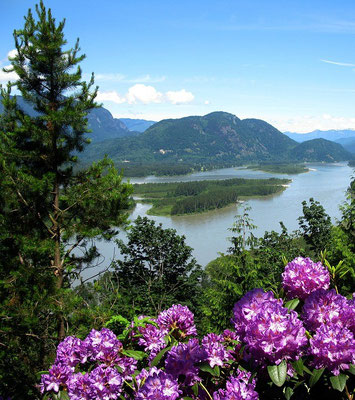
295, 344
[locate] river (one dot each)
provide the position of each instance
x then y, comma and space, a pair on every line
207, 233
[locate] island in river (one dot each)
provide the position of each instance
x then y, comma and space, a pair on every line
178, 198
278, 168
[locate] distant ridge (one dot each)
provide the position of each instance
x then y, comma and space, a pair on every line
137, 125
216, 139
332, 135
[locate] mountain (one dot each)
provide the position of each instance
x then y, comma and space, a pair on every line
348, 143
215, 139
100, 121
319, 150
137, 125
332, 135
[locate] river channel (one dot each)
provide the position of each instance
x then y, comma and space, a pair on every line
207, 233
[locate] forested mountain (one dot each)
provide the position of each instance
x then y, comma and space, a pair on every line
101, 122
332, 135
216, 139
348, 143
319, 150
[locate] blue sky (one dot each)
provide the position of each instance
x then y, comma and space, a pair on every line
291, 63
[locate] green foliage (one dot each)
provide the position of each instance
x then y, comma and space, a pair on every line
316, 225
157, 270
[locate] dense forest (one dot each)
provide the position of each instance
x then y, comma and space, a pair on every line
156, 325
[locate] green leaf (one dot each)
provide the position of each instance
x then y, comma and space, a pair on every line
292, 304
195, 389
338, 382
160, 355
187, 398
352, 369
137, 355
40, 373
207, 368
64, 396
317, 373
298, 366
278, 373
288, 392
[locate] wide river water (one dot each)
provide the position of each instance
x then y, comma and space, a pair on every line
207, 233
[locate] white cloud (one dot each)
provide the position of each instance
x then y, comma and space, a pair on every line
109, 77
7, 76
12, 53
112, 96
144, 94
147, 79
342, 64
179, 97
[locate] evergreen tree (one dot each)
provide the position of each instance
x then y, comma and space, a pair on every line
46, 209
157, 270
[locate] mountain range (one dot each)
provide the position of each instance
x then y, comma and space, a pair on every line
218, 138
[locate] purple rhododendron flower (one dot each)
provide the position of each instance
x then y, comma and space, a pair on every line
72, 351
248, 308
80, 387
216, 352
103, 345
158, 385
179, 318
181, 360
57, 377
152, 339
275, 334
327, 307
302, 276
238, 388
270, 331
101, 383
333, 347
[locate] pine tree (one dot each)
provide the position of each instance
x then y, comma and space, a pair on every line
47, 207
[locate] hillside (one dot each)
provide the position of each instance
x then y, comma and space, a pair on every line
216, 139
348, 143
319, 150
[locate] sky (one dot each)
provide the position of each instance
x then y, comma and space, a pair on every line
290, 63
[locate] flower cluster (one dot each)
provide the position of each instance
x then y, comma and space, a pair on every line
215, 348
331, 316
238, 388
152, 339
333, 347
302, 276
270, 331
178, 318
104, 381
182, 359
327, 307
158, 385
174, 363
